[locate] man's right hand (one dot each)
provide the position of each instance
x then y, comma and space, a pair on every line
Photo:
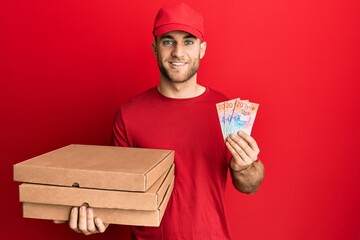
82, 221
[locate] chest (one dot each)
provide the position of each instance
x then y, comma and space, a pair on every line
173, 125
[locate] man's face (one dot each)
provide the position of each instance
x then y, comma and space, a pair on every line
178, 54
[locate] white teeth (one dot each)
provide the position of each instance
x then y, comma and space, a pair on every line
177, 63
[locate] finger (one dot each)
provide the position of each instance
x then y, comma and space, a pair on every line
243, 144
238, 152
244, 141
250, 140
236, 163
59, 222
100, 225
90, 220
83, 220
73, 222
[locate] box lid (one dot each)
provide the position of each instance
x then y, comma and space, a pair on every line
98, 198
91, 166
108, 215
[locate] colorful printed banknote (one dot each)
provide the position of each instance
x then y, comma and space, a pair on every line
236, 115
229, 110
221, 113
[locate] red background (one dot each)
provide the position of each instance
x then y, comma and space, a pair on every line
66, 66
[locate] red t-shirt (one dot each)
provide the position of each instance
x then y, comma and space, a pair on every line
191, 128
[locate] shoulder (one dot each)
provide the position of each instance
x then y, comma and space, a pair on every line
140, 99
148, 94
216, 95
138, 103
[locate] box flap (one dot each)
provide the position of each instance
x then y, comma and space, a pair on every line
113, 216
97, 198
103, 167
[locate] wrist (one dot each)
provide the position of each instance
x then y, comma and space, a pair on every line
237, 169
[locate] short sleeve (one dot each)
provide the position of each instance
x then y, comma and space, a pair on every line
119, 137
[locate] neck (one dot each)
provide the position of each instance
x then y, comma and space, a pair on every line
188, 89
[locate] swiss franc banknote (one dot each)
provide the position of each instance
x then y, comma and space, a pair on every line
221, 113
235, 115
229, 110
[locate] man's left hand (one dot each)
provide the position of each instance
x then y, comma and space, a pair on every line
244, 150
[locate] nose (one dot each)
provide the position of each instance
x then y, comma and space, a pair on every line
177, 51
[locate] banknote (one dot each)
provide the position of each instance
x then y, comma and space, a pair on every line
243, 117
229, 110
232, 124
235, 115
221, 113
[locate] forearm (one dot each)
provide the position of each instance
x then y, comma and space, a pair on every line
248, 180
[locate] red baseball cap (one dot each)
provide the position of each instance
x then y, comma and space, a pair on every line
179, 17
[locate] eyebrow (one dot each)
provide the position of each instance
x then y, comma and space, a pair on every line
171, 37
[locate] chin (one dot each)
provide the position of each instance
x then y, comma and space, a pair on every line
178, 80
177, 77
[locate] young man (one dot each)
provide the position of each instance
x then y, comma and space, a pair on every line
180, 114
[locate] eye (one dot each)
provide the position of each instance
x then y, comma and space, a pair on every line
168, 42
189, 42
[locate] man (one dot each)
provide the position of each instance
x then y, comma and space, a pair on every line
180, 114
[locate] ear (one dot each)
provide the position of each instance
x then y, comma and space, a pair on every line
202, 49
153, 44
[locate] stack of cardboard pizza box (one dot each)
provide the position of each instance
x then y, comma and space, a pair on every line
129, 186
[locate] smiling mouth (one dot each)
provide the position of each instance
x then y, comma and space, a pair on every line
177, 64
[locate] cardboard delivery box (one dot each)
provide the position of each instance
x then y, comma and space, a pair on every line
102, 167
97, 198
108, 215
124, 185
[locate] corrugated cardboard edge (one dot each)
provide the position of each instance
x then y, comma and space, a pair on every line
161, 193
165, 201
40, 175
112, 216
96, 198
139, 182
154, 173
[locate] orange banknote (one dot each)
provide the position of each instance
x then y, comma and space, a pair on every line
236, 115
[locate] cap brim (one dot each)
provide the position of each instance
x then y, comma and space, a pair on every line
178, 27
